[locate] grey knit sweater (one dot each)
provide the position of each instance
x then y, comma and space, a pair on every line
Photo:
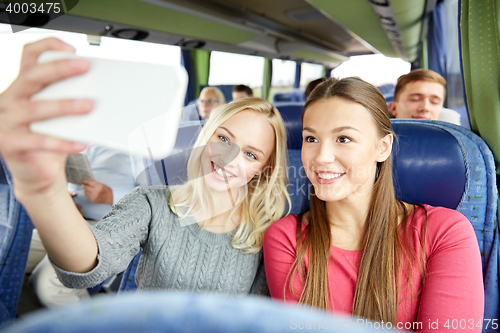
174, 256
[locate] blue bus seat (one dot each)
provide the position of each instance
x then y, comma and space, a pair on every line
15, 238
295, 95
183, 312
298, 186
455, 169
128, 277
171, 167
292, 117
387, 91
190, 112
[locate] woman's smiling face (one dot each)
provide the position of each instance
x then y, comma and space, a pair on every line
341, 148
238, 150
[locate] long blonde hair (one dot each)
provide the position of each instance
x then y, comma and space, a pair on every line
385, 242
267, 194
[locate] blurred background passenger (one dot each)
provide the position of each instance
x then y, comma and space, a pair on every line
241, 91
210, 97
418, 95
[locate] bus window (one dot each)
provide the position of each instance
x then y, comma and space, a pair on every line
309, 72
230, 68
283, 76
376, 69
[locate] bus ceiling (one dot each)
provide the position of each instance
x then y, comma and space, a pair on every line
326, 32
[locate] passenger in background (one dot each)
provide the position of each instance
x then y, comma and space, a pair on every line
418, 95
205, 235
241, 91
113, 179
210, 97
313, 84
360, 250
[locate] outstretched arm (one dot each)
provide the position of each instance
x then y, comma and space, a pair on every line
37, 162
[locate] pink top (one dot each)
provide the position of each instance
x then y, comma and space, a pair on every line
453, 287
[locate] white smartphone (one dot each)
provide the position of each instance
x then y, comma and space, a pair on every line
137, 105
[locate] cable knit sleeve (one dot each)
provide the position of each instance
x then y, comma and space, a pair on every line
119, 235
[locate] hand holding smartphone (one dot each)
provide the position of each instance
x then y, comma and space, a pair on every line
137, 105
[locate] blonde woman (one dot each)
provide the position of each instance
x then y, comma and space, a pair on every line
205, 235
359, 250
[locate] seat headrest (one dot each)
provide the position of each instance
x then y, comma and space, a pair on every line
428, 164
292, 117
186, 136
295, 95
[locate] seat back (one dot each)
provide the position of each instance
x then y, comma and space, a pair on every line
298, 186
172, 169
15, 238
183, 312
442, 164
295, 95
128, 278
292, 117
388, 91
190, 112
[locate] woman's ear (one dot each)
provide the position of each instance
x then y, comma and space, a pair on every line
392, 108
385, 147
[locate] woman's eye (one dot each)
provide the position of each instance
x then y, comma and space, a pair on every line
310, 139
343, 139
223, 138
251, 155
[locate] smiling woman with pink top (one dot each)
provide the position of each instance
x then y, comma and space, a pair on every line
360, 250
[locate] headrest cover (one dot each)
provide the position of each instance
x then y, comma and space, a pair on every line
428, 165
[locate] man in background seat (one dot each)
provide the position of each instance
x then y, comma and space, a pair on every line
418, 95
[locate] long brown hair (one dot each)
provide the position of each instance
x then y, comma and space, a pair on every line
385, 242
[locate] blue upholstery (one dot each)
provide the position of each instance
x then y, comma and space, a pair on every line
462, 177
295, 95
174, 166
128, 278
292, 117
186, 136
439, 168
190, 113
15, 238
388, 91
177, 312
298, 184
